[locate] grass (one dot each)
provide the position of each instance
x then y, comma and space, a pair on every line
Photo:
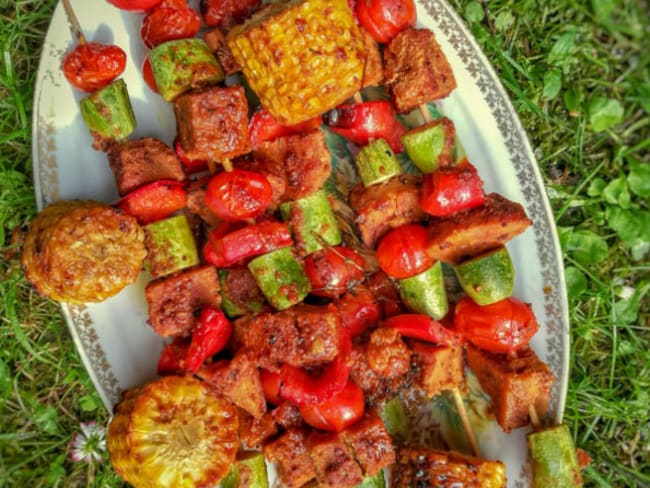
578, 75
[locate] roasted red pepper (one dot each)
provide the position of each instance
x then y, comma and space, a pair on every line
191, 165
253, 240
135, 5
209, 337
154, 201
92, 66
423, 327
172, 358
263, 127
451, 189
358, 310
361, 122
238, 195
335, 414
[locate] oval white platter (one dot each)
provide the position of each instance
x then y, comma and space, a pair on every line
114, 341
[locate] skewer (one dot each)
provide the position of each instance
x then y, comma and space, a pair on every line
75, 27
534, 418
424, 110
462, 411
357, 97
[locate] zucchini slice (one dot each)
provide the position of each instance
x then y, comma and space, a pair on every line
170, 246
425, 292
108, 112
555, 462
376, 163
488, 278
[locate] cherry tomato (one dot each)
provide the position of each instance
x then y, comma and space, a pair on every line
92, 66
227, 12
358, 310
147, 74
342, 410
271, 383
154, 201
331, 270
134, 5
384, 19
177, 4
450, 190
402, 252
238, 195
501, 327
165, 24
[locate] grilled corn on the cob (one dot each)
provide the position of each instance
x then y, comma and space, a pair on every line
301, 57
173, 433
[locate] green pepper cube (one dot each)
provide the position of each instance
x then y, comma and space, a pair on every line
555, 462
247, 473
183, 64
239, 293
394, 417
488, 278
376, 163
425, 292
312, 222
281, 277
376, 481
431, 145
108, 112
170, 246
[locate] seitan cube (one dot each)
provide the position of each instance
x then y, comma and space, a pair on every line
287, 415
320, 333
253, 432
373, 71
370, 443
440, 368
173, 300
295, 467
335, 466
387, 353
216, 41
196, 201
136, 163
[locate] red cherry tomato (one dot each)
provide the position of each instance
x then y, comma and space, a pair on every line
359, 310
154, 201
501, 327
402, 252
134, 5
147, 75
238, 195
450, 190
92, 66
227, 12
342, 410
384, 19
165, 24
331, 270
271, 383
176, 4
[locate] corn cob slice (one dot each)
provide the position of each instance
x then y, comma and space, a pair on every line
301, 57
173, 433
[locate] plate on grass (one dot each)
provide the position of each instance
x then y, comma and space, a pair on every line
114, 341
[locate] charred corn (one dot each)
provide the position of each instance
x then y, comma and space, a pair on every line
301, 57
173, 433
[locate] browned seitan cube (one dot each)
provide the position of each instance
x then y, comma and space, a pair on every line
513, 383
216, 41
387, 353
306, 160
287, 415
445, 469
196, 201
136, 163
241, 290
439, 368
385, 206
274, 173
370, 443
416, 69
335, 466
253, 432
477, 230
320, 333
385, 290
173, 300
373, 71
295, 467
213, 123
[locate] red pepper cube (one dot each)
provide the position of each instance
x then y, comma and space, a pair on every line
213, 123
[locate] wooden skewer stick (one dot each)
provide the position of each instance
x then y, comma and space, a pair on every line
534, 418
462, 411
227, 165
357, 97
74, 22
424, 110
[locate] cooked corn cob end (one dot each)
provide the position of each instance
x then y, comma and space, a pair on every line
173, 433
301, 57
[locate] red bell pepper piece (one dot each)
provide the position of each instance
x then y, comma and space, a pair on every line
191, 165
209, 337
252, 240
360, 122
154, 201
451, 189
358, 310
418, 326
263, 127
172, 358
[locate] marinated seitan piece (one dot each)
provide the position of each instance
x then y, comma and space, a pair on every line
295, 467
253, 432
82, 251
513, 383
386, 293
385, 206
216, 41
477, 230
305, 158
196, 201
445, 469
239, 292
274, 172
213, 123
287, 415
373, 71
136, 163
320, 333
439, 368
370, 443
416, 70
173, 300
239, 381
333, 460
387, 353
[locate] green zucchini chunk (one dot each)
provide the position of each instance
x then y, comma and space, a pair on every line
247, 473
281, 277
238, 295
430, 145
108, 113
183, 64
376, 481
170, 246
488, 278
376, 162
555, 462
425, 292
394, 417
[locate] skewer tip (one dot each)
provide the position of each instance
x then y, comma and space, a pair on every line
462, 411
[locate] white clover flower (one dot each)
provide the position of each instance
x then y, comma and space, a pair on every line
89, 444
